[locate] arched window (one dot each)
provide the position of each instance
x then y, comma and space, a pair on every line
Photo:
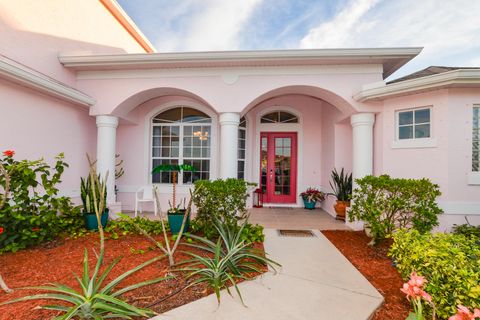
181, 135
279, 117
242, 139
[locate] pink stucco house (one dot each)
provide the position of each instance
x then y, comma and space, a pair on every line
79, 77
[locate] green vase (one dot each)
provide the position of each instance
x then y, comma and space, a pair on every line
175, 221
91, 222
310, 205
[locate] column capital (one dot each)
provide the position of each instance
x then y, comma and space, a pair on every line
362, 119
232, 118
107, 121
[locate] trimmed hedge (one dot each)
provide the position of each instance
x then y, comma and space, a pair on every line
387, 204
449, 262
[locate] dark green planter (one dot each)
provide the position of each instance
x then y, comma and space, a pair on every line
175, 221
310, 205
91, 220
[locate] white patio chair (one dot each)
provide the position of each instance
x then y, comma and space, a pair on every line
144, 194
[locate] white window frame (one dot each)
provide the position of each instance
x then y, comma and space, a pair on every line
148, 156
427, 142
244, 159
473, 177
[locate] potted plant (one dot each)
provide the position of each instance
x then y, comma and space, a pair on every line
311, 196
89, 200
175, 213
341, 185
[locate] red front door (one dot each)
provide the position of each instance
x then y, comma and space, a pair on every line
278, 166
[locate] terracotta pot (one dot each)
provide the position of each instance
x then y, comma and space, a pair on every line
340, 209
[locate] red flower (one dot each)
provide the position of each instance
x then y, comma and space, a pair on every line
1, 230
8, 153
35, 229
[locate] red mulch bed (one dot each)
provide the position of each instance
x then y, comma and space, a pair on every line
57, 261
374, 264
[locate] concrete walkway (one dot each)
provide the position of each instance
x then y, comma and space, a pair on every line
316, 282
295, 218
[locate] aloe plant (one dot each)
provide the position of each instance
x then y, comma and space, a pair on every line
342, 185
94, 300
233, 258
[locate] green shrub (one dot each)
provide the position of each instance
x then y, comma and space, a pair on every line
468, 230
387, 204
32, 212
450, 263
250, 233
223, 200
123, 227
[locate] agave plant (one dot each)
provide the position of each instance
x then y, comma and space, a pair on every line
342, 185
232, 260
94, 301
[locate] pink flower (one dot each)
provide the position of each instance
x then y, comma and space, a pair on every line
414, 288
464, 313
8, 153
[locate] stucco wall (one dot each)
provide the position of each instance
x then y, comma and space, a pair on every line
35, 32
37, 126
448, 161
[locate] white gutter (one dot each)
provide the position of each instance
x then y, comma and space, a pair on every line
380, 90
18, 73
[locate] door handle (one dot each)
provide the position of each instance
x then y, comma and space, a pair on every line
271, 175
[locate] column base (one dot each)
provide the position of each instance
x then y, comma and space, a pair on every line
114, 209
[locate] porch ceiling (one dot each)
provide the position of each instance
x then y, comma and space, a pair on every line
391, 59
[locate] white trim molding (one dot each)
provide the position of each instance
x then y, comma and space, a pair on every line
454, 78
25, 76
460, 208
473, 178
414, 143
391, 58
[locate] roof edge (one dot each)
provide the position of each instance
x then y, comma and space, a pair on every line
27, 77
127, 23
381, 90
403, 55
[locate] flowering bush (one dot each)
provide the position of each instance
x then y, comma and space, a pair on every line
30, 210
312, 195
451, 263
464, 313
416, 295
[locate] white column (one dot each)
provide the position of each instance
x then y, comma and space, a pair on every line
229, 122
362, 164
362, 124
106, 141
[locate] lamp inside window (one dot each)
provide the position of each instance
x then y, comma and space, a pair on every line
202, 135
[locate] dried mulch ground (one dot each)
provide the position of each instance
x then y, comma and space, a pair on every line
57, 261
374, 264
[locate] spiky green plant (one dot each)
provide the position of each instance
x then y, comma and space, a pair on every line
86, 193
233, 259
94, 301
341, 185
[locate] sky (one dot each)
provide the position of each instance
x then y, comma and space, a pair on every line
449, 30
